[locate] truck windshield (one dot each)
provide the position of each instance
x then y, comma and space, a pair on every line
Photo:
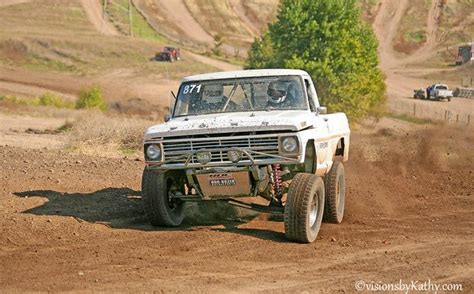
240, 95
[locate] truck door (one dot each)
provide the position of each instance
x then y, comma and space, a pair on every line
321, 140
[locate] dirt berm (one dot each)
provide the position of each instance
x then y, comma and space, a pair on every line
75, 223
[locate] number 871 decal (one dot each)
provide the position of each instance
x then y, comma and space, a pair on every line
189, 89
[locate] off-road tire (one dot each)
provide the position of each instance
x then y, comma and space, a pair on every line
335, 194
155, 187
305, 195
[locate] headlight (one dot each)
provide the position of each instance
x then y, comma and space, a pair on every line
234, 155
289, 145
204, 157
153, 152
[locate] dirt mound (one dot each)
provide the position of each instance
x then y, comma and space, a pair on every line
138, 107
13, 50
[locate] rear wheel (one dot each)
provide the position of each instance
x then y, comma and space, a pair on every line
160, 208
335, 184
304, 208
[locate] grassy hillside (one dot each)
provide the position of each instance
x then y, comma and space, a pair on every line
457, 21
57, 36
453, 20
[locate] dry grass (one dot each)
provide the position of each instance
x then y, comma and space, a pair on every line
88, 131
111, 136
454, 77
220, 19
261, 12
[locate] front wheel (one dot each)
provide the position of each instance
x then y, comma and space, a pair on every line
304, 208
160, 208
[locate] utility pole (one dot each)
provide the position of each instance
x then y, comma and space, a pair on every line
471, 49
130, 17
103, 17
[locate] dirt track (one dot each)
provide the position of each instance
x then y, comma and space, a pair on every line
70, 223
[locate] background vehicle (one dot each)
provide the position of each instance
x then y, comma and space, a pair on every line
419, 94
439, 92
245, 133
168, 54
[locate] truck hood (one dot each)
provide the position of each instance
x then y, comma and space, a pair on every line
232, 122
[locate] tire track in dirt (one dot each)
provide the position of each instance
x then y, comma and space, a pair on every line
239, 10
221, 65
19, 81
24, 90
12, 2
178, 13
94, 13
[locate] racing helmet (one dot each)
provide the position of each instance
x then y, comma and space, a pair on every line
277, 92
213, 93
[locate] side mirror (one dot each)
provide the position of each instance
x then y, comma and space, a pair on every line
322, 110
167, 118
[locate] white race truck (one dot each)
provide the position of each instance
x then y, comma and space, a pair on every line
259, 133
439, 92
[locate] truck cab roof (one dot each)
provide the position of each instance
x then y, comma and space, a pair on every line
245, 74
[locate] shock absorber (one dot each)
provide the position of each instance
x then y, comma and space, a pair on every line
277, 182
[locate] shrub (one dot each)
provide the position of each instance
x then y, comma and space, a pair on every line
49, 99
218, 42
328, 39
12, 99
91, 98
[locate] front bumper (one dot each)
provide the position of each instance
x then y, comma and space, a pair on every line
248, 159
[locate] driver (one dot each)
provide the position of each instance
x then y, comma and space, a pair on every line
213, 98
281, 94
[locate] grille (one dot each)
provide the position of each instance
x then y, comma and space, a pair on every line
177, 151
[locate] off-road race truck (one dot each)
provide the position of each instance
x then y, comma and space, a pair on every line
257, 133
168, 54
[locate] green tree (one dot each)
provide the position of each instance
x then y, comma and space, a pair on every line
328, 39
